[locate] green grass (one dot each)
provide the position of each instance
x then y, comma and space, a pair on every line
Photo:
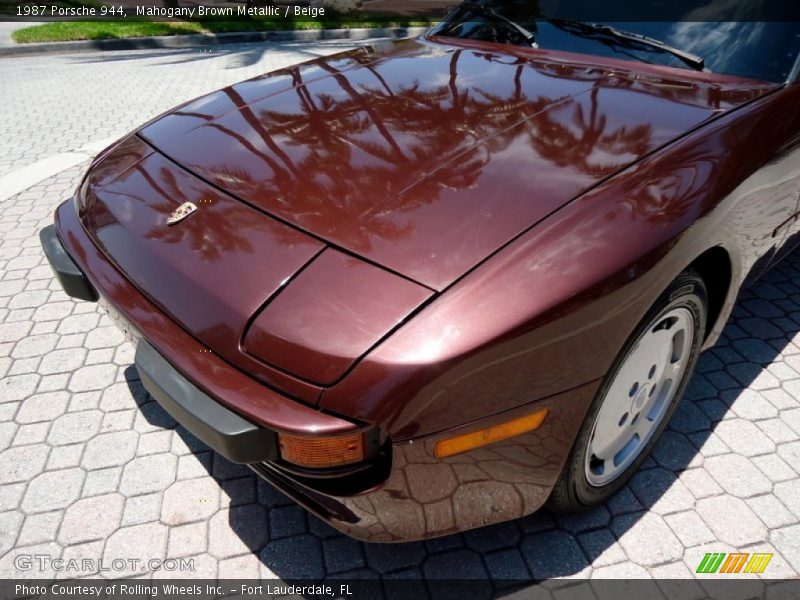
104, 30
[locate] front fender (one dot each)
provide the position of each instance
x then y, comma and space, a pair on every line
552, 310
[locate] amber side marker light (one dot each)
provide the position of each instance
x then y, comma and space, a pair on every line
490, 435
322, 452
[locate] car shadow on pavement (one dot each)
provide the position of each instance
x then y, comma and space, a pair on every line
722, 414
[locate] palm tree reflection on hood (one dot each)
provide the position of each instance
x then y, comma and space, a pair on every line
346, 147
353, 155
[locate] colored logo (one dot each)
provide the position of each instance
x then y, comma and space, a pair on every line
735, 562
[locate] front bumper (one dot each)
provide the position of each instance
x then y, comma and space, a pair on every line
69, 275
419, 496
223, 430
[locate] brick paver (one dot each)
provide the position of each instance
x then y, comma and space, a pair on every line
92, 467
61, 104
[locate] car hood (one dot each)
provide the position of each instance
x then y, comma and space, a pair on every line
426, 156
335, 198
277, 302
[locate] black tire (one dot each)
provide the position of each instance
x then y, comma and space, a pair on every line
572, 491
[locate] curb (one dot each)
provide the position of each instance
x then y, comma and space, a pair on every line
210, 39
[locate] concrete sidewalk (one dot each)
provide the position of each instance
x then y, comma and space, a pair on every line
7, 28
61, 104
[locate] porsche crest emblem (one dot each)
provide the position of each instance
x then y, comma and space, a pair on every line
180, 213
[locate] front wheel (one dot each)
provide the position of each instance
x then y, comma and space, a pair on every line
637, 398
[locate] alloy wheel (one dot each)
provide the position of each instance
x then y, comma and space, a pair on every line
639, 396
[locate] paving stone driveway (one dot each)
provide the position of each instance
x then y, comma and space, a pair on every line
91, 467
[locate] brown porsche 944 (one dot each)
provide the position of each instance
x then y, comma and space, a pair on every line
427, 285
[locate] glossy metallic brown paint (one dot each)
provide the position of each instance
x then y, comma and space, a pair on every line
554, 308
425, 496
209, 273
427, 157
548, 198
330, 315
424, 175
213, 375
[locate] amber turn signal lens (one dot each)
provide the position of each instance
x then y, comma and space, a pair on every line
321, 452
476, 439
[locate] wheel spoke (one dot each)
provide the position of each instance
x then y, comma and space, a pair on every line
673, 369
612, 447
645, 424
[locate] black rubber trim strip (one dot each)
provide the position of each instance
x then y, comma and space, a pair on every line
69, 275
238, 440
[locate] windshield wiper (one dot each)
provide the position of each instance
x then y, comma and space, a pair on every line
530, 37
593, 29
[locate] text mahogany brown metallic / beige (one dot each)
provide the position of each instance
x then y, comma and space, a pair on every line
409, 242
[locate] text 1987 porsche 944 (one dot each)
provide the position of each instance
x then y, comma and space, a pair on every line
427, 285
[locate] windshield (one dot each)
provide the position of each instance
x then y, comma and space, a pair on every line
764, 50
